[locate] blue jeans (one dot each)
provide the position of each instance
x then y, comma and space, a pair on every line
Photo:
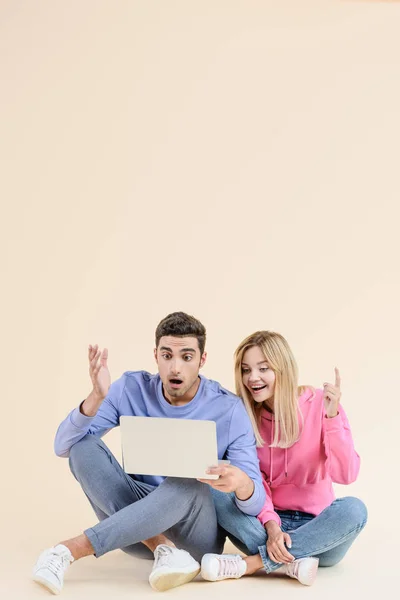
327, 536
130, 511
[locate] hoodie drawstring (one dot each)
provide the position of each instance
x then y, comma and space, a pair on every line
271, 456
271, 453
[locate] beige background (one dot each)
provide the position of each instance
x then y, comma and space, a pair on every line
236, 160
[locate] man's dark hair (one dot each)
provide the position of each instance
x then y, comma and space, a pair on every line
179, 324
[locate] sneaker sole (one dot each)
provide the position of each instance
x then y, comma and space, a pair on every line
165, 581
47, 584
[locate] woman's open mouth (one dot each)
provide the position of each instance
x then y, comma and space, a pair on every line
257, 389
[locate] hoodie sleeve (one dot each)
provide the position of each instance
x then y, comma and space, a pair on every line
343, 462
76, 425
267, 513
242, 453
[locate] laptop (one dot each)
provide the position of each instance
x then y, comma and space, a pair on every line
169, 447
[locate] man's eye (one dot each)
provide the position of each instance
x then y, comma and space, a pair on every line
188, 357
166, 356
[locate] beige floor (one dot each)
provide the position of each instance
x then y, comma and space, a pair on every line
119, 576
367, 570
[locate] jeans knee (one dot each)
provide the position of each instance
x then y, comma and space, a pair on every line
80, 452
222, 500
355, 510
328, 562
244, 531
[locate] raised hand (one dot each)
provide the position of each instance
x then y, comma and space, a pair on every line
98, 371
332, 395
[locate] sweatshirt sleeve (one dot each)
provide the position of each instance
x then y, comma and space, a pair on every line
342, 460
76, 425
242, 453
268, 513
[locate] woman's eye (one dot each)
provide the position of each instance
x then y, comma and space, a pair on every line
245, 370
263, 369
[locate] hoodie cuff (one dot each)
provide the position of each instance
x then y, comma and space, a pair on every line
269, 515
332, 424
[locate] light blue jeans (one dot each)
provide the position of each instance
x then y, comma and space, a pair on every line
327, 536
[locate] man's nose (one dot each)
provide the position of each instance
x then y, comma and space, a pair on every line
175, 367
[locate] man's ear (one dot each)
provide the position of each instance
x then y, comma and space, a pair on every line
155, 354
203, 359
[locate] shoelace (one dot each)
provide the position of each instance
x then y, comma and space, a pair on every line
162, 556
229, 566
292, 569
56, 563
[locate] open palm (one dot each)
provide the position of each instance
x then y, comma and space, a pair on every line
98, 370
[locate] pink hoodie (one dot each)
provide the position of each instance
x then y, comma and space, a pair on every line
300, 477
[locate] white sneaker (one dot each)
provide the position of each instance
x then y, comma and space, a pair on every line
51, 566
172, 567
215, 567
303, 569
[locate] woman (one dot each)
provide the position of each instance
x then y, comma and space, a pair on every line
304, 444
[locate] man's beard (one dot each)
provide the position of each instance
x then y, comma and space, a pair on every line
178, 393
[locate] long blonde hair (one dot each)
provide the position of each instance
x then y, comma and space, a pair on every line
280, 359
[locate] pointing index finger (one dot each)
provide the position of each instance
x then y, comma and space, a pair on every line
337, 378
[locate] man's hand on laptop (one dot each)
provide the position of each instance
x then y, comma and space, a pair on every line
231, 479
101, 380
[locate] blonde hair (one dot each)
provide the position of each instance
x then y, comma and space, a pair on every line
280, 359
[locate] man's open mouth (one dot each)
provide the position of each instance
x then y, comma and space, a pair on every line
175, 383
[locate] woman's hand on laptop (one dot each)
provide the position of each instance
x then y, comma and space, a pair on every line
231, 479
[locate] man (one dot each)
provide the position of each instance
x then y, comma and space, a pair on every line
175, 518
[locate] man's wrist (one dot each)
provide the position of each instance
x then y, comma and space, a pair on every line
90, 406
246, 489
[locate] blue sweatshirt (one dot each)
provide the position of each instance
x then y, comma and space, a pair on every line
138, 393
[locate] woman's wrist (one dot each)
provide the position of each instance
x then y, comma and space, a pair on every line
271, 526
